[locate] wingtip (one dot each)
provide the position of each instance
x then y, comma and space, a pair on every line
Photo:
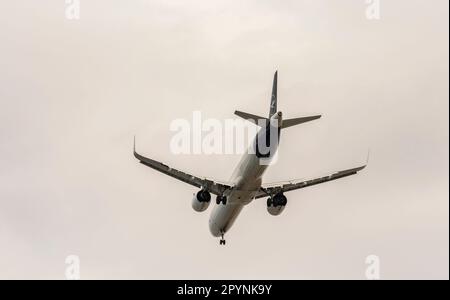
365, 165
368, 157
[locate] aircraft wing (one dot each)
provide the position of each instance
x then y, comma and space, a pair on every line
210, 185
272, 189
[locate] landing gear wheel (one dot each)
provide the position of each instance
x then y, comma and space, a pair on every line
221, 200
222, 240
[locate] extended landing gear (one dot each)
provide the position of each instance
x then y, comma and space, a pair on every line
222, 240
221, 200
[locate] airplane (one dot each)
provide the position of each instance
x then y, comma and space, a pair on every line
246, 184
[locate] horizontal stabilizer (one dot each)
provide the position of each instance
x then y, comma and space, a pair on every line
250, 117
292, 122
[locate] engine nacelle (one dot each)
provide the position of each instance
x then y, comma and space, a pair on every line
276, 205
201, 200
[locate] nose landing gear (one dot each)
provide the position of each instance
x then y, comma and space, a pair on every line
222, 240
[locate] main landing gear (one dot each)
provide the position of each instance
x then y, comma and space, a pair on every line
221, 200
222, 240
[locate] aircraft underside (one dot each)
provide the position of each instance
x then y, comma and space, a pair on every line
246, 182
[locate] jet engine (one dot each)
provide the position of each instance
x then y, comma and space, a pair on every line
276, 204
201, 200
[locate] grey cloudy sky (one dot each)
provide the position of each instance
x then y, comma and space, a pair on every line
74, 92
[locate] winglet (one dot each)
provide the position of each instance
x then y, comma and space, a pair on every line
368, 157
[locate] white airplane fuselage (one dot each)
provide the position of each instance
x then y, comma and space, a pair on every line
247, 180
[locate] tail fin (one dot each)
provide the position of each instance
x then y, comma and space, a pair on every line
273, 100
273, 110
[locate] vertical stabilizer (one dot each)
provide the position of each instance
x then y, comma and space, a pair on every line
273, 100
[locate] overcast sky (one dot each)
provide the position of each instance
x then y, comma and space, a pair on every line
74, 92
